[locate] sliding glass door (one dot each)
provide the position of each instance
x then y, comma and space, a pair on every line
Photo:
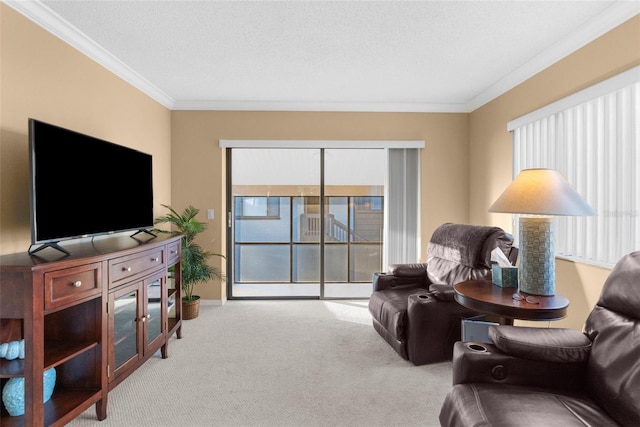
354, 212
305, 222
271, 189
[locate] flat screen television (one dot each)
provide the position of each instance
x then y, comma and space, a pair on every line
83, 186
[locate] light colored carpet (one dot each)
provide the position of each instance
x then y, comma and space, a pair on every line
278, 363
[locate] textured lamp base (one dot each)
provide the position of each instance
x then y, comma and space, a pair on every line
537, 256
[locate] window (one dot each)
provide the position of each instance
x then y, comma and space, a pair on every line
257, 207
592, 139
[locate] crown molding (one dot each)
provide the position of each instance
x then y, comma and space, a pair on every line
613, 16
612, 84
381, 107
44, 17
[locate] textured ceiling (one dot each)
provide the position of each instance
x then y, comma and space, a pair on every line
315, 55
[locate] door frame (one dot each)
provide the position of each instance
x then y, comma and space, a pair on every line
302, 144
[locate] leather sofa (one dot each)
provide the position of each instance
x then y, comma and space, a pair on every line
412, 305
556, 377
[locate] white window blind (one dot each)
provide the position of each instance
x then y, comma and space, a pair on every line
402, 204
594, 144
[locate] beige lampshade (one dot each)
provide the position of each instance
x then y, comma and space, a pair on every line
541, 192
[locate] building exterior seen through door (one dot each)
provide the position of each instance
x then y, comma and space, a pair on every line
305, 222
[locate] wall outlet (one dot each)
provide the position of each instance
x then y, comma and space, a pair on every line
211, 214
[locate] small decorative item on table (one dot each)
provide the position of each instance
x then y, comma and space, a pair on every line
505, 277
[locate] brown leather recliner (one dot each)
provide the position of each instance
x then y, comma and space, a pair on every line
412, 306
556, 377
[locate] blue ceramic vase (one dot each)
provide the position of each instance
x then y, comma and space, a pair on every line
13, 392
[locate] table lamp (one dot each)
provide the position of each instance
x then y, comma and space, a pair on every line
539, 194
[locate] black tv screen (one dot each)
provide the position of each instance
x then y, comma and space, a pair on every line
83, 186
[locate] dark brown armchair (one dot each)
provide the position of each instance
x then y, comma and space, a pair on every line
556, 377
412, 305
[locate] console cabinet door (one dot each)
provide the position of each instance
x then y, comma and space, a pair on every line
136, 321
125, 328
154, 321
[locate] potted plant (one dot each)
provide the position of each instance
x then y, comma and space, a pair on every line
194, 267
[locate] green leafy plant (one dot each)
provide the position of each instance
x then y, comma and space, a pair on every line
194, 267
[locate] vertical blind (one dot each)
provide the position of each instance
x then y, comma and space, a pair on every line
594, 144
402, 203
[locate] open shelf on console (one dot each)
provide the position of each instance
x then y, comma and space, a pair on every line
57, 410
58, 353
11, 368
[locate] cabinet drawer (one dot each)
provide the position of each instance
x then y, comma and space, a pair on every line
71, 284
124, 269
174, 253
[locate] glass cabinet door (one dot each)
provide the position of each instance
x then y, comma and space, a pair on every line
125, 312
153, 318
137, 322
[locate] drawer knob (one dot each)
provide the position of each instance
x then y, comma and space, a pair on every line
155, 259
77, 283
126, 268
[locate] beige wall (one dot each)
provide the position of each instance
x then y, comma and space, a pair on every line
198, 162
465, 165
44, 78
490, 145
